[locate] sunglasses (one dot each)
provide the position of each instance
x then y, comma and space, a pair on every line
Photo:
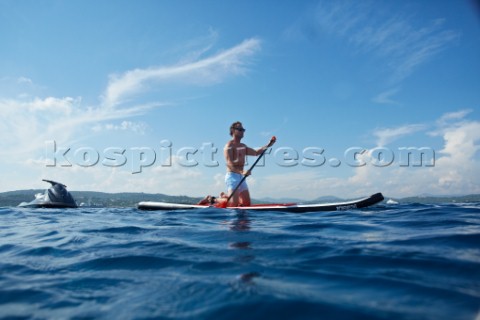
240, 129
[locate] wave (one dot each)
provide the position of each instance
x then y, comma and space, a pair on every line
400, 261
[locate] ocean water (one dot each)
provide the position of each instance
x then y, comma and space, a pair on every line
407, 261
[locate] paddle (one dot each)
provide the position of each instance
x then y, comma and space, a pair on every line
223, 204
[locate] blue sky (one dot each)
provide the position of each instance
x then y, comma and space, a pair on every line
171, 76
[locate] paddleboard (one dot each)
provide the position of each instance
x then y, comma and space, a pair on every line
287, 207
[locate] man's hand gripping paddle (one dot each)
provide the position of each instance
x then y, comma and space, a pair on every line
223, 204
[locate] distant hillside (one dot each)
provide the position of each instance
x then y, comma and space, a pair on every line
14, 198
125, 199
130, 199
439, 199
95, 199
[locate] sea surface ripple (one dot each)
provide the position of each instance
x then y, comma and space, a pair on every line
407, 261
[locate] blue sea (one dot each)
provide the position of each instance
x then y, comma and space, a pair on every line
406, 261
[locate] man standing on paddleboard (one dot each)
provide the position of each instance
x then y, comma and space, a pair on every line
235, 153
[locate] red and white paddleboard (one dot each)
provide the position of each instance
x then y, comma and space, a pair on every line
287, 207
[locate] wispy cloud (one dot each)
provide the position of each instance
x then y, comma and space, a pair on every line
19, 87
387, 135
24, 80
386, 97
28, 122
196, 48
396, 41
201, 72
135, 127
403, 43
418, 46
449, 120
453, 116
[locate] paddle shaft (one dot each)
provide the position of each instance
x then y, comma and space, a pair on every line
245, 177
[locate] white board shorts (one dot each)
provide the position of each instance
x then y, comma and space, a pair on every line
232, 180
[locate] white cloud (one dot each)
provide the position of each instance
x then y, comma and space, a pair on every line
20, 87
388, 135
135, 127
452, 116
201, 72
386, 97
196, 47
50, 105
24, 80
309, 184
456, 168
402, 43
27, 123
173, 180
455, 171
461, 141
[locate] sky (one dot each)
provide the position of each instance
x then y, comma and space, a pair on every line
138, 96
